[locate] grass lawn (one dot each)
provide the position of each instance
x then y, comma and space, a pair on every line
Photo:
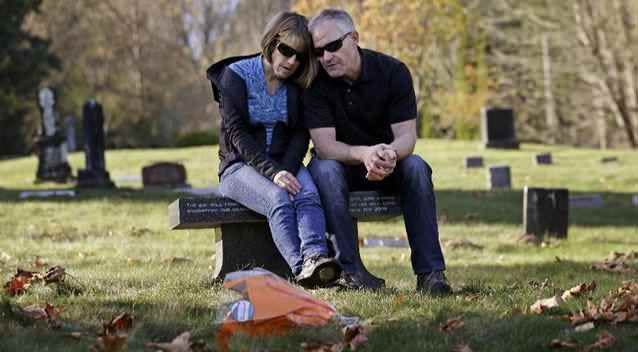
120, 254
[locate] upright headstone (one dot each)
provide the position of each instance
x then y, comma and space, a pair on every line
95, 174
497, 128
473, 162
499, 177
52, 153
543, 159
69, 129
164, 174
546, 211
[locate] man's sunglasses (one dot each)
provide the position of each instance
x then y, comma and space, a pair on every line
287, 51
331, 47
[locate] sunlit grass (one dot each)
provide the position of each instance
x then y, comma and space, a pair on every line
119, 252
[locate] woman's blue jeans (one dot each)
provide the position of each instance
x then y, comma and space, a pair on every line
297, 223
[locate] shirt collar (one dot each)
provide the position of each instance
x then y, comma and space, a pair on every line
365, 75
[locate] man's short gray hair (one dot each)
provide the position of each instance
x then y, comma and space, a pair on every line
341, 18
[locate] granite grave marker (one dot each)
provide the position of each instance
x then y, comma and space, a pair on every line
499, 177
497, 128
94, 174
546, 211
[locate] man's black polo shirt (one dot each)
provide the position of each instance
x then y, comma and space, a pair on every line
363, 111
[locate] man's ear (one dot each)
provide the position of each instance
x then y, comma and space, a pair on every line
355, 36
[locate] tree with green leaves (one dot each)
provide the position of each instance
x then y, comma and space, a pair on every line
25, 61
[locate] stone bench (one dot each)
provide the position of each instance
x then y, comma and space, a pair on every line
242, 237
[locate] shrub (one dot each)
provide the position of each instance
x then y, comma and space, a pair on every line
195, 138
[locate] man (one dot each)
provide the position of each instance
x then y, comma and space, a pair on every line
361, 112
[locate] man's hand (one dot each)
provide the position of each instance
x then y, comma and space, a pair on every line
380, 161
287, 181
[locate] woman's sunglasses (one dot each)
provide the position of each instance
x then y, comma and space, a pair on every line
287, 51
331, 47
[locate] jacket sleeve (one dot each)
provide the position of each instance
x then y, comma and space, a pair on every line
234, 112
296, 150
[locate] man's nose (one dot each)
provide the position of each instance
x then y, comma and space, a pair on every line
327, 55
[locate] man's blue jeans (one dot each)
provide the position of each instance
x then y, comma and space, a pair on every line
412, 179
298, 225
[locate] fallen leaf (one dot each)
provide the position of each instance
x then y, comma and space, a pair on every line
4, 257
49, 313
39, 262
355, 335
452, 324
133, 261
120, 324
585, 327
319, 347
462, 244
19, 283
115, 343
76, 335
579, 290
558, 343
613, 267
34, 312
605, 340
177, 260
461, 348
540, 306
620, 256
181, 343
55, 274
529, 239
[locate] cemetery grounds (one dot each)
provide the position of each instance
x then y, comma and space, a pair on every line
120, 257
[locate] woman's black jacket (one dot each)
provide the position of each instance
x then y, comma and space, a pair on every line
240, 141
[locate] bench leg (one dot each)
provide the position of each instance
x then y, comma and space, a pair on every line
245, 246
377, 281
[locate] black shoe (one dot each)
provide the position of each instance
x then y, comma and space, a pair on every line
434, 283
359, 281
318, 272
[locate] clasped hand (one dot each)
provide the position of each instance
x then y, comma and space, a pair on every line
380, 161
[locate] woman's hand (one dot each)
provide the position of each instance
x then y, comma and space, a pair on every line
287, 181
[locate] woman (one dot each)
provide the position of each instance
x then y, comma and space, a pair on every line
263, 143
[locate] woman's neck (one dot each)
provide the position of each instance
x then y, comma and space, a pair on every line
272, 81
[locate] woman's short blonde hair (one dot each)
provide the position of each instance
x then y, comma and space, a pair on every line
292, 29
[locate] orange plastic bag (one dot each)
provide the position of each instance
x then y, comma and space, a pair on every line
271, 307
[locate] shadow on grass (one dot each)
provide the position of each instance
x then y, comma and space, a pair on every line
454, 206
489, 298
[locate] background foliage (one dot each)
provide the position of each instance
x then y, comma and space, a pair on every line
568, 68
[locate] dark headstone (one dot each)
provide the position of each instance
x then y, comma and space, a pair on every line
94, 174
69, 130
546, 211
543, 159
586, 201
164, 174
609, 159
51, 144
499, 177
497, 128
473, 162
